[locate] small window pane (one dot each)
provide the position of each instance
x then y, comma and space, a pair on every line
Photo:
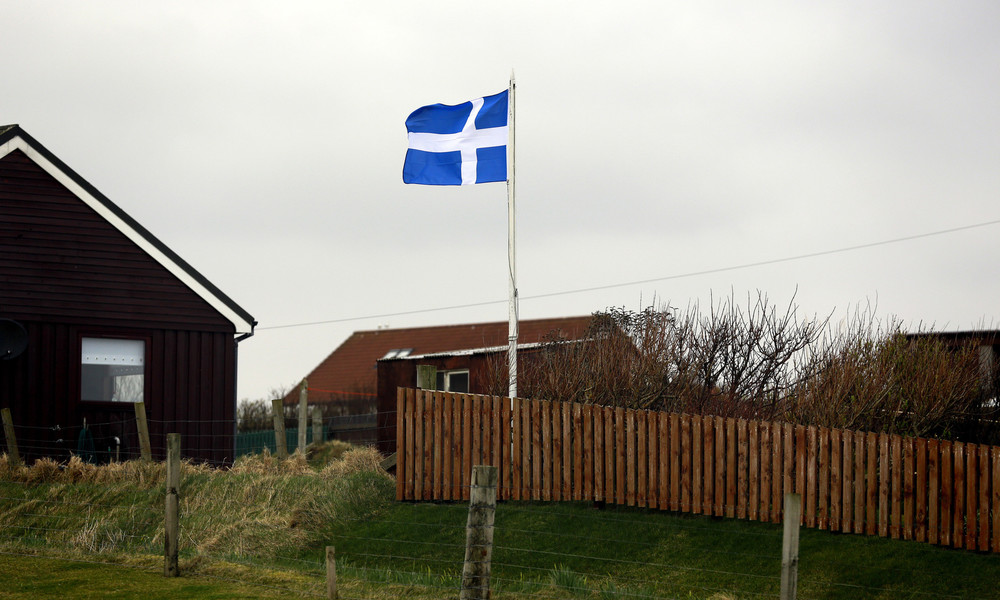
458, 382
112, 370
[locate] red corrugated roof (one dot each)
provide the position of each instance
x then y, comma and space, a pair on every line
351, 367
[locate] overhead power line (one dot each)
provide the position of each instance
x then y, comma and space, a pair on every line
651, 280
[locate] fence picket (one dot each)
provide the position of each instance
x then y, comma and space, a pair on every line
753, 481
631, 477
731, 468
871, 485
765, 457
859, 482
697, 462
742, 469
547, 450
958, 495
983, 510
909, 503
663, 441
609, 454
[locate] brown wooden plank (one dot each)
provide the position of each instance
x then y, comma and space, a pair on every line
630, 457
438, 419
536, 450
920, 490
995, 500
788, 472
410, 457
499, 436
971, 497
720, 468
777, 472
896, 486
847, 480
447, 458
708, 465
958, 495
467, 450
836, 479
400, 442
823, 480
652, 458
582, 438
753, 481
620, 472
663, 444
642, 459
729, 500
598, 419
908, 494
545, 409
428, 450
418, 450
765, 456
933, 491
859, 482
884, 480
516, 462
675, 461
481, 450
697, 450
871, 484
507, 446
983, 508
946, 491
742, 469
567, 450
487, 423
812, 475
847, 472
557, 451
610, 492
685, 472
593, 448
801, 455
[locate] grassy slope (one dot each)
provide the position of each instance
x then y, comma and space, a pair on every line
280, 517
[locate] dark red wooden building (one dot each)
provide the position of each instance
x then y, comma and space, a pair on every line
110, 317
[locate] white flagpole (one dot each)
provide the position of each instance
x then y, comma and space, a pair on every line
511, 265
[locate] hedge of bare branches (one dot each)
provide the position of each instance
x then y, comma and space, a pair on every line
761, 361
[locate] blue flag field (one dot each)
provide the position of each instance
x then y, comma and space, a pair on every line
458, 145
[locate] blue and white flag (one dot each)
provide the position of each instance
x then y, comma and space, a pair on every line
458, 145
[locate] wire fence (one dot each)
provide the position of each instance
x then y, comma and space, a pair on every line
267, 535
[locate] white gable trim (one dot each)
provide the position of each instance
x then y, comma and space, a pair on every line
18, 143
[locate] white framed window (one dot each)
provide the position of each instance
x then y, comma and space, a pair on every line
112, 370
453, 381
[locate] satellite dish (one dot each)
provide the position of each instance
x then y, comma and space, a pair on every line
13, 339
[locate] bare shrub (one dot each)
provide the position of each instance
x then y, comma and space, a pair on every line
870, 376
757, 360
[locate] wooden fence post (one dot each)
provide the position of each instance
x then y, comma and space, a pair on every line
171, 520
790, 546
426, 377
331, 574
479, 533
8, 430
317, 424
140, 423
278, 413
303, 415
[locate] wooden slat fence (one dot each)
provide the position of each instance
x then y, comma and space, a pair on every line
932, 491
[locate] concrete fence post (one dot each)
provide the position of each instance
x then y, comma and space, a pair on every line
278, 413
143, 428
331, 574
790, 546
172, 517
479, 533
303, 415
8, 431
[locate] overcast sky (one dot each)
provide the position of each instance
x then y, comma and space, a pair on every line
264, 141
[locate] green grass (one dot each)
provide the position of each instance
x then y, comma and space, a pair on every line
261, 532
